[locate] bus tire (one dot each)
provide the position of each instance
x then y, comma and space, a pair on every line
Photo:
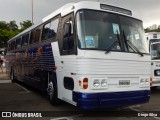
12, 76
52, 91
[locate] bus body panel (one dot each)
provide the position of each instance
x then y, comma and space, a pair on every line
110, 99
31, 65
127, 66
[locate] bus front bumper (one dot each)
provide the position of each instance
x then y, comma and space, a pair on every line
110, 100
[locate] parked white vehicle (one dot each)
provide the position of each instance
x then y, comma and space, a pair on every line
152, 37
153, 41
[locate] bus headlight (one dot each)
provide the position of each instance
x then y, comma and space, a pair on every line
100, 83
96, 83
147, 81
104, 83
142, 82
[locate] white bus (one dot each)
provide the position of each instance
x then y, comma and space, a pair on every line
153, 40
89, 54
152, 37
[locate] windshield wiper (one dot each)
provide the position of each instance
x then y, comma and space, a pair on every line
128, 43
109, 49
112, 45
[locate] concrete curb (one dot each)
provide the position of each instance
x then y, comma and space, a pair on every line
5, 81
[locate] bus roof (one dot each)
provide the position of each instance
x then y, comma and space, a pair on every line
70, 7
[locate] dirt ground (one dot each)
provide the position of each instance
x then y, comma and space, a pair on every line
3, 75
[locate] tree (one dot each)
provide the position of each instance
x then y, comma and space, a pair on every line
9, 30
5, 35
147, 30
25, 24
13, 26
4, 25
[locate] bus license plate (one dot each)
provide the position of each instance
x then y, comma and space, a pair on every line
124, 82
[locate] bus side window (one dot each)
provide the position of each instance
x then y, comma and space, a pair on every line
46, 29
53, 28
68, 41
13, 45
9, 46
50, 30
25, 40
37, 33
18, 43
31, 37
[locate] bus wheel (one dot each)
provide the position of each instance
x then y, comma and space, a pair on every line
12, 76
52, 92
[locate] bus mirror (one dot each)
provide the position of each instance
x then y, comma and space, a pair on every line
67, 30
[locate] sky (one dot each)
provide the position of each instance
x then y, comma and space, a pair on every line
20, 10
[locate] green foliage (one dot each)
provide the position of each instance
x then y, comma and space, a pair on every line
5, 35
9, 30
25, 24
148, 30
13, 26
4, 25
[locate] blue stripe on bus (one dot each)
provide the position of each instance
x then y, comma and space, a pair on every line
31, 65
109, 100
45, 61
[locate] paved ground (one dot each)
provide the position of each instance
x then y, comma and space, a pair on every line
20, 98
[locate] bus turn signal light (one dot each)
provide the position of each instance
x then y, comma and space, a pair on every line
150, 81
85, 83
80, 82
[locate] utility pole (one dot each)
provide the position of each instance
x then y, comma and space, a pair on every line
32, 12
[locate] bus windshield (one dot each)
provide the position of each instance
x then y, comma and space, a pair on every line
153, 41
155, 51
99, 30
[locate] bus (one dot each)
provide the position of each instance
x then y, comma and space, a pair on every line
152, 37
153, 40
89, 54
